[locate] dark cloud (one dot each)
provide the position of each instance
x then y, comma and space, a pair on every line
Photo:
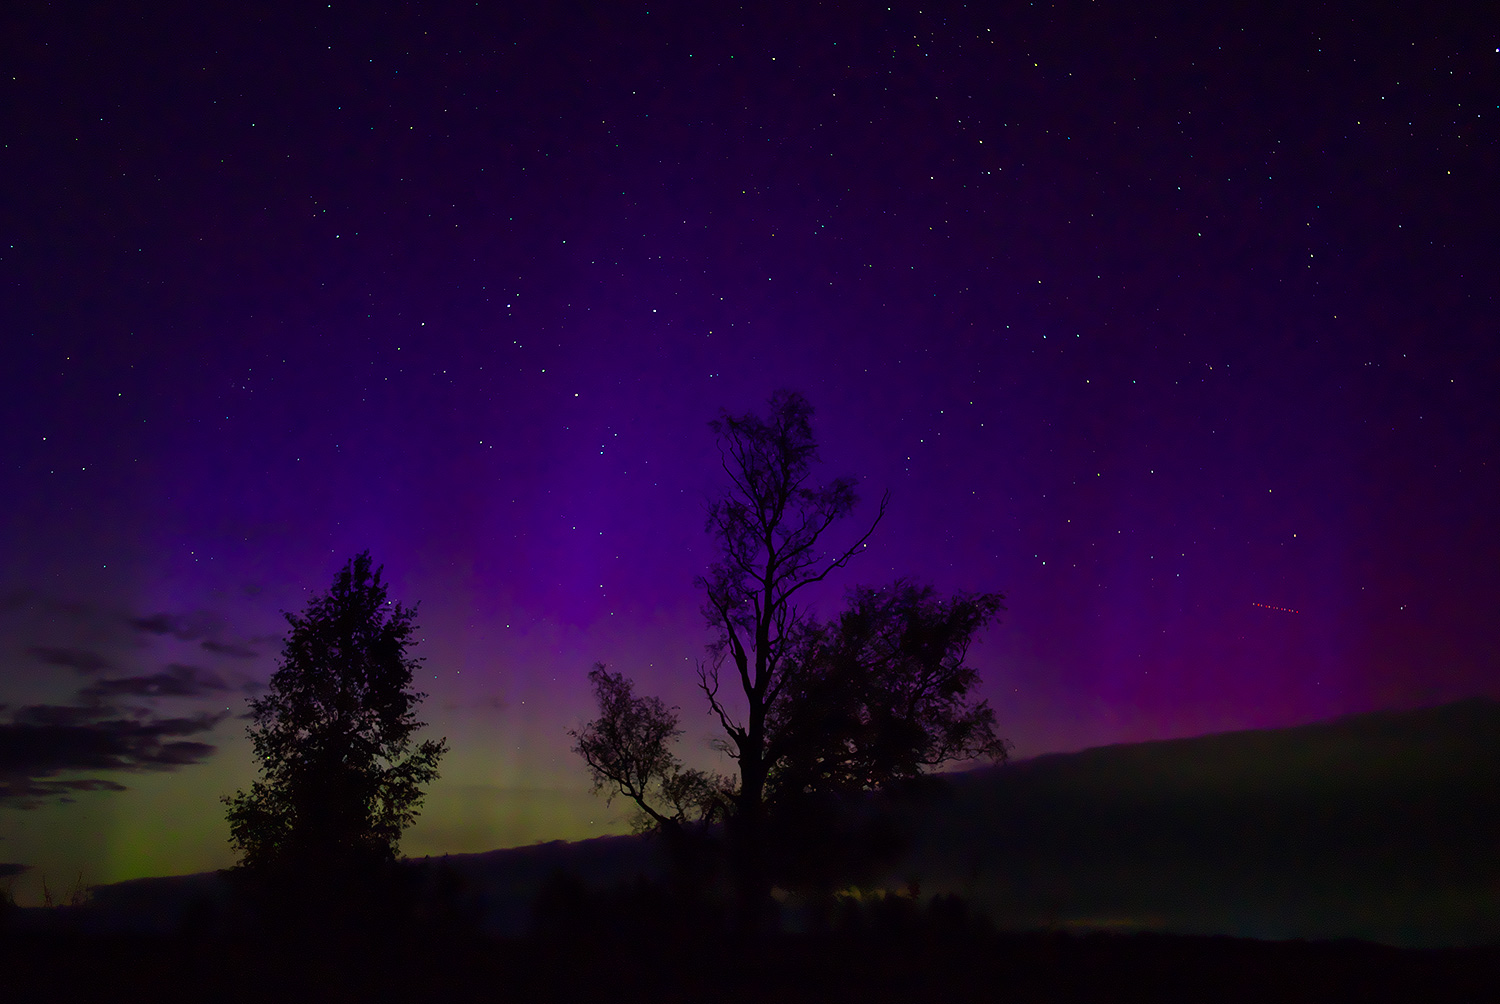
176, 681
11, 870
92, 616
181, 628
106, 621
229, 648
43, 741
50, 752
184, 753
30, 793
78, 659
57, 715
189, 627
155, 624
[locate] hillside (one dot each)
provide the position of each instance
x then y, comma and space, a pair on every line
1380, 826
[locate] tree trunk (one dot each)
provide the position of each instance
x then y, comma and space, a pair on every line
752, 884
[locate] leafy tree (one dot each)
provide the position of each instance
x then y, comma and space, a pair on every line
880, 694
873, 701
341, 776
628, 750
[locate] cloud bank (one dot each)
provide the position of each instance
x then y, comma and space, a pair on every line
112, 724
43, 741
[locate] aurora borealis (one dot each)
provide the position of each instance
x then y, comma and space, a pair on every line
1176, 326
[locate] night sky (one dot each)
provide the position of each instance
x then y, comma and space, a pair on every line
1175, 326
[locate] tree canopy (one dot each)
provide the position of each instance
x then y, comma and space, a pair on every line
881, 694
341, 775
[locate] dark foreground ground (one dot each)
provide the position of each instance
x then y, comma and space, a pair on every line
1014, 969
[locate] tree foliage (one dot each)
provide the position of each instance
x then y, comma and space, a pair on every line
880, 694
341, 775
628, 750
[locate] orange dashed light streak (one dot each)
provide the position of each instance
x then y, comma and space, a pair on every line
1267, 606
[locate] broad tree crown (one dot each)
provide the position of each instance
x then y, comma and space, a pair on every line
340, 773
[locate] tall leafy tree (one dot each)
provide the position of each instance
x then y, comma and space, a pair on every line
341, 774
880, 694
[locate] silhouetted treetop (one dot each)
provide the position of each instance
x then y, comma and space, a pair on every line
340, 775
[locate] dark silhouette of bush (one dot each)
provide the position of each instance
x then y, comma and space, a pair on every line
819, 842
390, 907
444, 909
639, 911
887, 915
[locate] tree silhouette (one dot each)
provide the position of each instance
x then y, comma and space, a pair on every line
340, 775
872, 701
628, 750
880, 694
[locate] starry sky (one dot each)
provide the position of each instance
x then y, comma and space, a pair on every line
1174, 325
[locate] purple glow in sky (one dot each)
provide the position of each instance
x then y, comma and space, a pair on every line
1174, 326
